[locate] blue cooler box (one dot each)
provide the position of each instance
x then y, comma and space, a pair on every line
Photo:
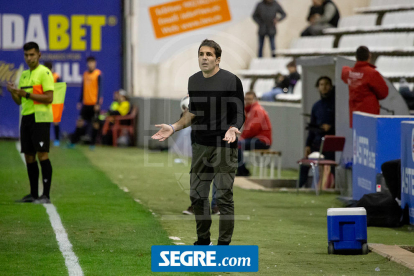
347, 229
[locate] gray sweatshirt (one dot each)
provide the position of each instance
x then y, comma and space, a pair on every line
264, 15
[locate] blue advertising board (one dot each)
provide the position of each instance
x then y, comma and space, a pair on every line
67, 33
407, 167
376, 139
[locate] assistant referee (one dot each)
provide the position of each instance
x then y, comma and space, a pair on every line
34, 136
216, 113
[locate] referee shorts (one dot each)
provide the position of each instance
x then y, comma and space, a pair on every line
34, 137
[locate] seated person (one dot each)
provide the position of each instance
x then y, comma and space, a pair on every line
257, 130
284, 84
120, 107
323, 14
294, 76
322, 123
114, 105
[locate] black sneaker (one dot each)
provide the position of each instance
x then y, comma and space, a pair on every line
189, 211
42, 200
215, 211
26, 199
223, 243
196, 243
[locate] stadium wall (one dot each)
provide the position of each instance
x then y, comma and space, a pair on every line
161, 66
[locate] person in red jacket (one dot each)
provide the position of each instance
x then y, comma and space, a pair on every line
366, 85
257, 131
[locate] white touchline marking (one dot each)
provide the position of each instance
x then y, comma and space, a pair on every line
71, 261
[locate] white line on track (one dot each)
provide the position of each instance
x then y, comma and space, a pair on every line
71, 261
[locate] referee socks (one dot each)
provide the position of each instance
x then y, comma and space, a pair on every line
47, 176
33, 172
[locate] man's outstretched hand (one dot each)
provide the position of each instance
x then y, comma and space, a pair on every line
231, 135
164, 132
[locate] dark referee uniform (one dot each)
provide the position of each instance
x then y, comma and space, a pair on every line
35, 137
218, 104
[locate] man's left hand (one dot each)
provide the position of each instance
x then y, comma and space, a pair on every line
231, 135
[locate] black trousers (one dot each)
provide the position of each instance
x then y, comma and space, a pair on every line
220, 164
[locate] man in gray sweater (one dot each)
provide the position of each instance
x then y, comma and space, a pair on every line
266, 16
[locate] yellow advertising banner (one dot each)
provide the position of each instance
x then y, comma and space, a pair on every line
185, 15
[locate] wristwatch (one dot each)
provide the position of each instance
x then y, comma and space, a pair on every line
27, 95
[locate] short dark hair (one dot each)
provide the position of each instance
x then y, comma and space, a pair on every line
212, 44
31, 45
323, 78
251, 93
90, 58
48, 64
362, 53
291, 64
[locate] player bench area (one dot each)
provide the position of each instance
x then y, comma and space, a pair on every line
262, 159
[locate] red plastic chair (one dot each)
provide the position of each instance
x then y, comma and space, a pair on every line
117, 127
330, 143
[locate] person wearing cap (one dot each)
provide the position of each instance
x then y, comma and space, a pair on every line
89, 103
120, 106
123, 107
35, 126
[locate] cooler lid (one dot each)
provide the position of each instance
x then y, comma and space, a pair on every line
359, 211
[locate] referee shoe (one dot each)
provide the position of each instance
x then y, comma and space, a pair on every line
42, 200
26, 199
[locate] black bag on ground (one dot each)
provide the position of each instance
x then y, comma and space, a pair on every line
382, 210
391, 170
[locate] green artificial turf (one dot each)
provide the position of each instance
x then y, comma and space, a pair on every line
111, 234
27, 242
289, 229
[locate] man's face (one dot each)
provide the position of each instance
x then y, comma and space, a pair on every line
207, 59
324, 87
291, 69
91, 65
249, 100
32, 57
